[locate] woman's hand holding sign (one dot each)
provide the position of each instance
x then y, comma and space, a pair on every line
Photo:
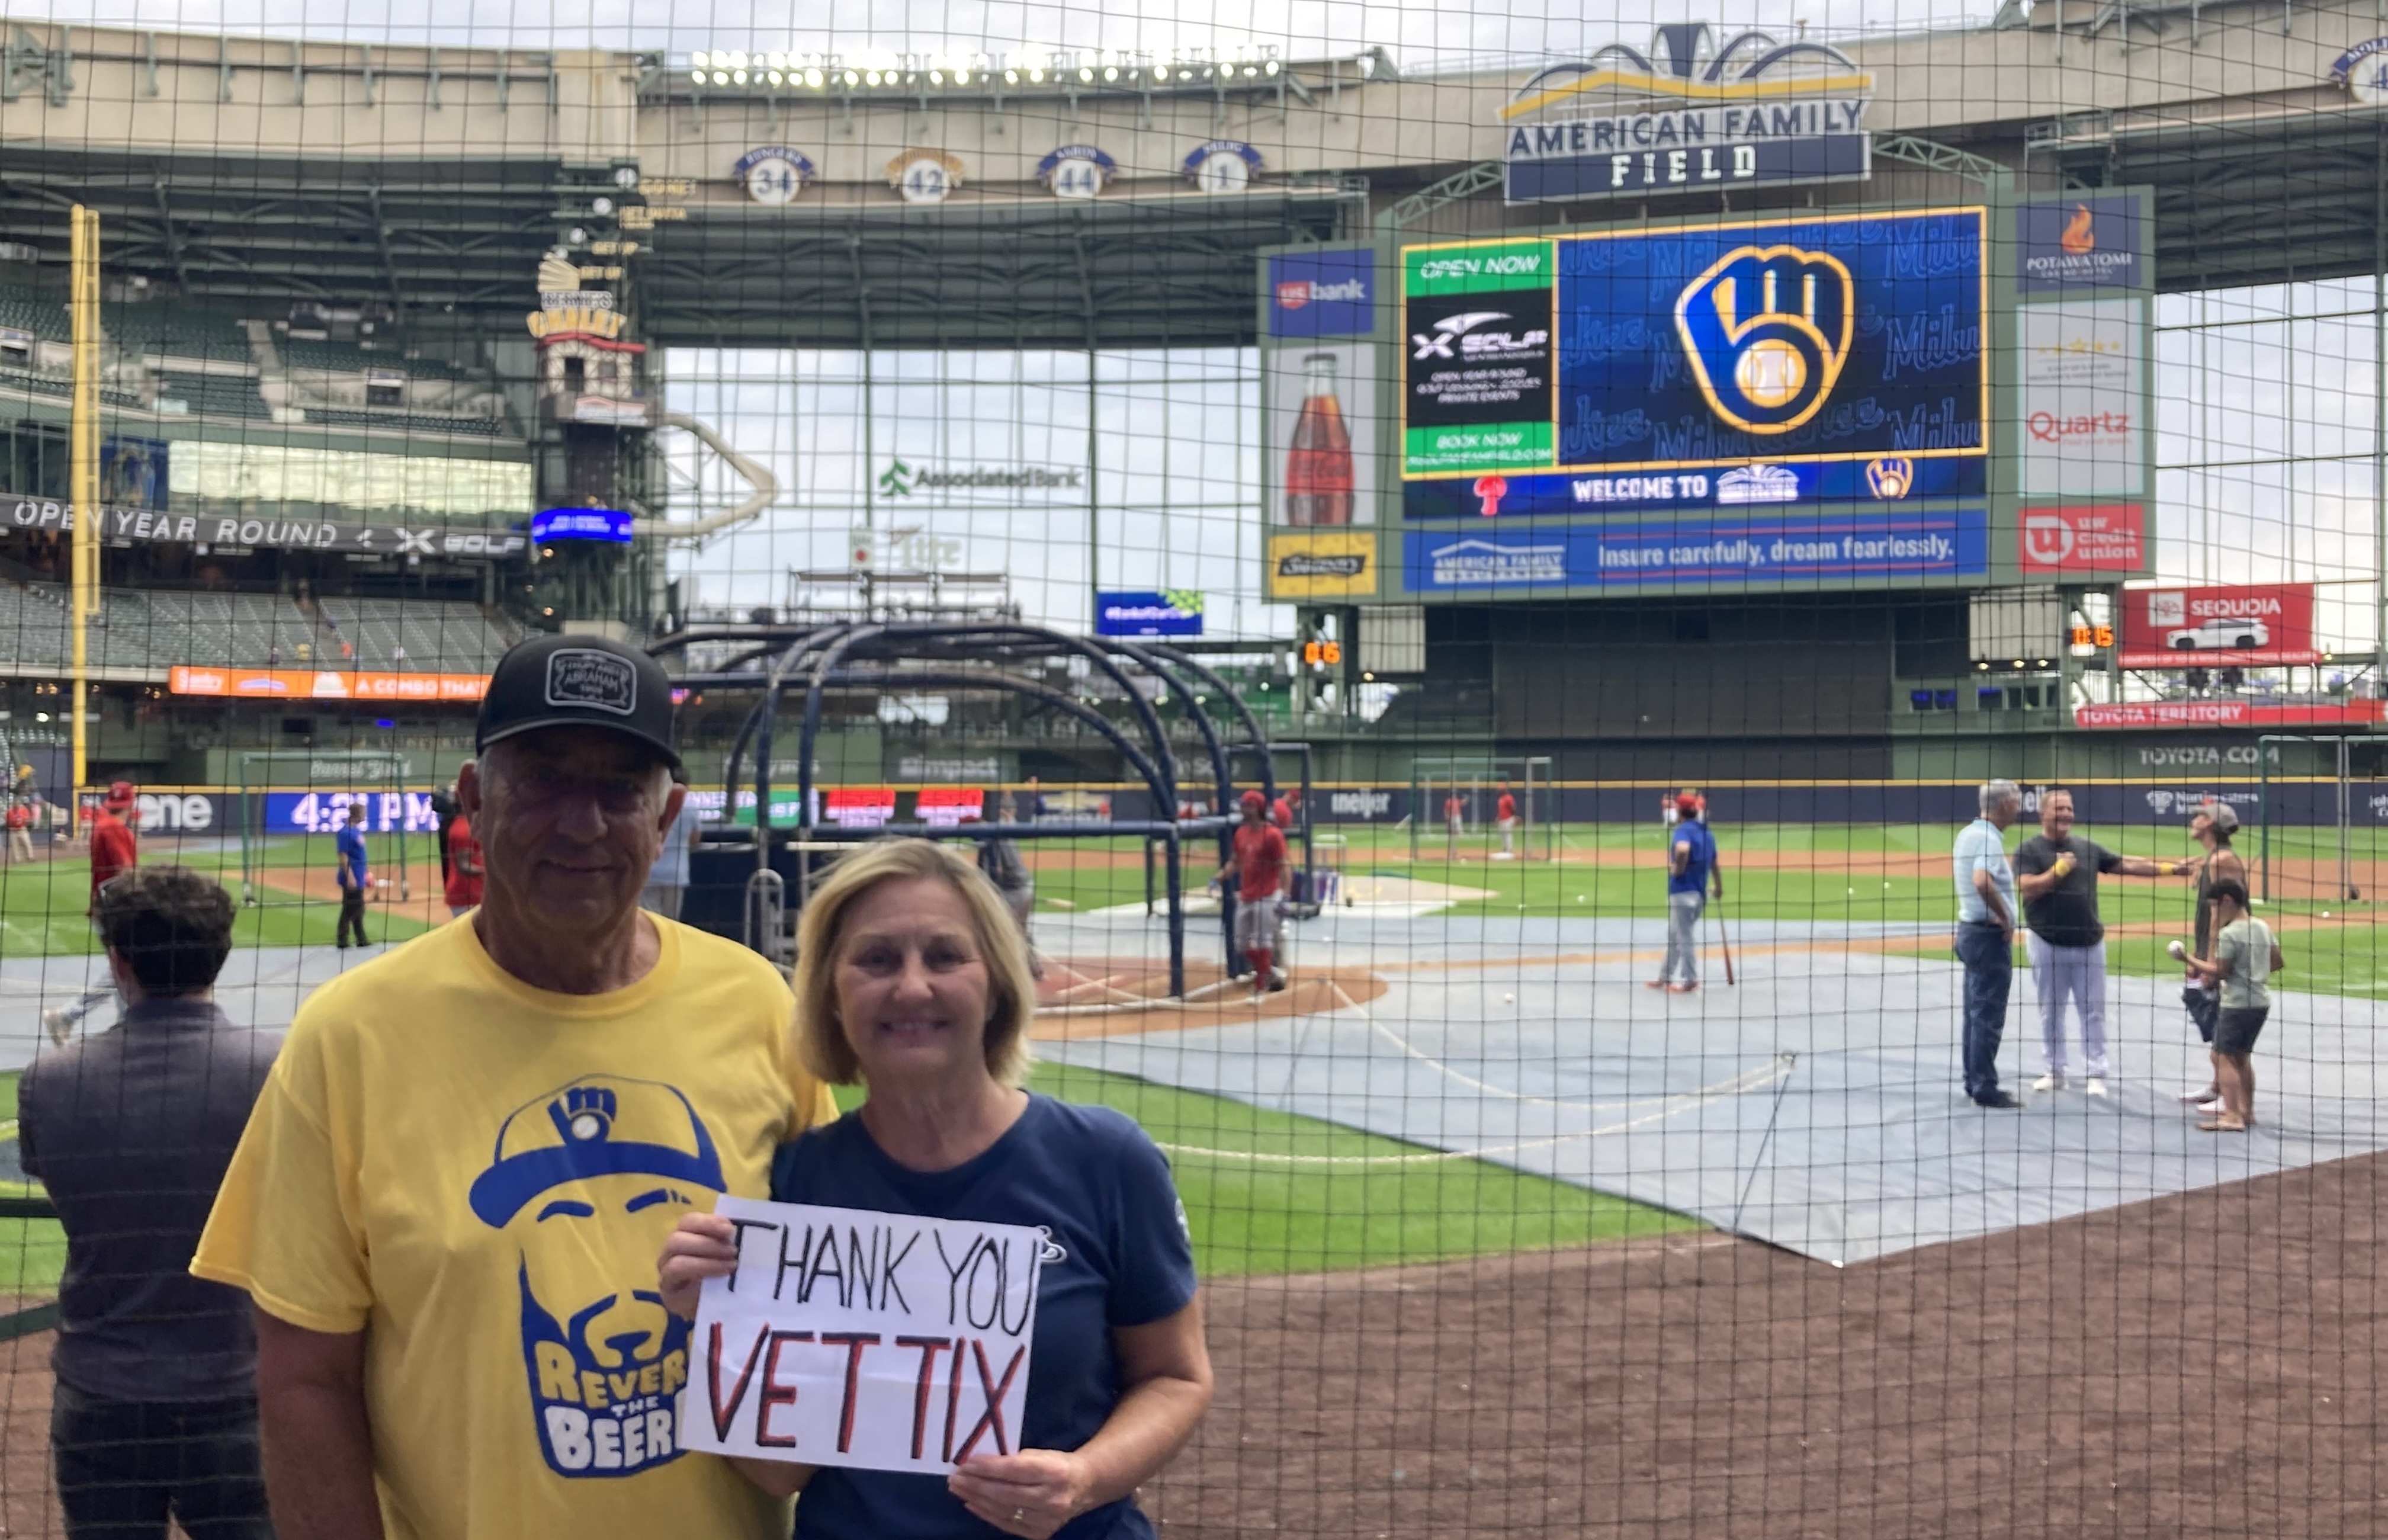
1032, 1493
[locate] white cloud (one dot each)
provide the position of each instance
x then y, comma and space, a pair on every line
1420, 36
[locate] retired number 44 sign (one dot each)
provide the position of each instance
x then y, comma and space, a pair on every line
879, 1341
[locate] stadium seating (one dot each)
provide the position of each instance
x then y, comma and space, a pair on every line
177, 332
454, 639
23, 310
213, 395
35, 627
308, 355
404, 421
156, 628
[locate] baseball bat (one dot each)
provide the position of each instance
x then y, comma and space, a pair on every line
1725, 939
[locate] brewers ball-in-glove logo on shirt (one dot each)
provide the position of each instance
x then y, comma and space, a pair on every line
588, 1181
1767, 330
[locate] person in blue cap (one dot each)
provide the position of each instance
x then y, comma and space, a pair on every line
447, 1206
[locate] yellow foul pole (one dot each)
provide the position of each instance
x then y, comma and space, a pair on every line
82, 470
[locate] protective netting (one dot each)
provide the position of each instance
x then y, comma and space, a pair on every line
1605, 483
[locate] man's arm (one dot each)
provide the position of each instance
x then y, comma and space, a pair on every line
310, 1412
2132, 866
1988, 887
1680, 857
2037, 883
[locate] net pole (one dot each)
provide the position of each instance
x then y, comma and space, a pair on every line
83, 471
2345, 850
2264, 820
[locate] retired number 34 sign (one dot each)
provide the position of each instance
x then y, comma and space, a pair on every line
879, 1341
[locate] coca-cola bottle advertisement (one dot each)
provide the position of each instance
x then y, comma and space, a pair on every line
1322, 437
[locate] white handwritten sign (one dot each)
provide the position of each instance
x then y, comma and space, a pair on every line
879, 1341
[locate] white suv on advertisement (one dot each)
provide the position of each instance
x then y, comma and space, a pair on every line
2223, 633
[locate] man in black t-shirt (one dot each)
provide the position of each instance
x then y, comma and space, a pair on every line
2056, 874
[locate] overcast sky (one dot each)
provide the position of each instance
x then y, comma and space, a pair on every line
1420, 34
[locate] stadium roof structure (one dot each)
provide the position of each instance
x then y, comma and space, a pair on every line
251, 169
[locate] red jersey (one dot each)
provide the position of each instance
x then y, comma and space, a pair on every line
113, 848
21, 817
1260, 861
1508, 806
464, 888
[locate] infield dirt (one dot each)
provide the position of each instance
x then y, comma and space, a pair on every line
2204, 1363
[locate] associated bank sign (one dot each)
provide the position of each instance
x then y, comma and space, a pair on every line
1752, 110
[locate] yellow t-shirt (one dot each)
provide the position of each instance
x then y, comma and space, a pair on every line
480, 1175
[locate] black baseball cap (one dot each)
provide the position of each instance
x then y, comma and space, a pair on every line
579, 681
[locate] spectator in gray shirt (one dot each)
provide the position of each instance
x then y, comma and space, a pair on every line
155, 1410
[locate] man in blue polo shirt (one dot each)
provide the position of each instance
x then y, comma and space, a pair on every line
354, 873
1691, 869
1985, 942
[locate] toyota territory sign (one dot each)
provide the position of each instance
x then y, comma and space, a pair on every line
2183, 628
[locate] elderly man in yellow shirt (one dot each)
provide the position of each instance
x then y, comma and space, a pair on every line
448, 1205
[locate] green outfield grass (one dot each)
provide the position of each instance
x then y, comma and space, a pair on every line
1261, 1196
32, 1252
1257, 1196
42, 912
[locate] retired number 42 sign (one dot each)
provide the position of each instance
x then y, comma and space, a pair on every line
879, 1341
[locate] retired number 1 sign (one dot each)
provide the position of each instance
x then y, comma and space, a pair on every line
880, 1341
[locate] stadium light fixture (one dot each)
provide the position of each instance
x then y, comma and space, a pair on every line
813, 79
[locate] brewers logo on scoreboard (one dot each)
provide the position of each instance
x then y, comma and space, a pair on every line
1767, 329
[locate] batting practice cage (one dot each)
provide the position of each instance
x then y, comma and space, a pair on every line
1671, 728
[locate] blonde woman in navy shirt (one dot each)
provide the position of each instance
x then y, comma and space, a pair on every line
913, 981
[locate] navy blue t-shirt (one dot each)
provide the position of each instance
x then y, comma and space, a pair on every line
1090, 1179
1694, 875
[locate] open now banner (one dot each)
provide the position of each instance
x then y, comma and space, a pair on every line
326, 684
2252, 625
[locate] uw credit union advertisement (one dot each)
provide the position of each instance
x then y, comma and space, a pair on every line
1848, 338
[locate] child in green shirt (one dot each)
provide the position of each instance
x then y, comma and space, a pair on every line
2246, 958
